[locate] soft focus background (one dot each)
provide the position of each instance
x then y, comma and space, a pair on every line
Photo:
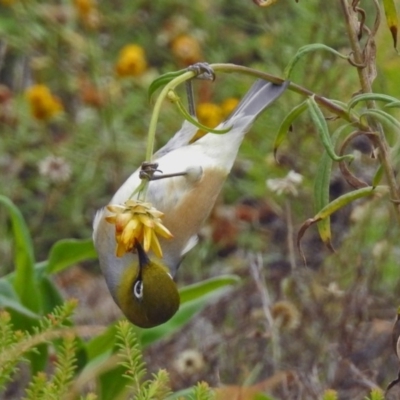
74, 115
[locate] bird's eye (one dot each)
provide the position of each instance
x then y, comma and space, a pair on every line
138, 290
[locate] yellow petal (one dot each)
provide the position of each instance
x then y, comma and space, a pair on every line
146, 220
111, 219
163, 231
121, 250
147, 238
155, 245
130, 232
115, 208
122, 221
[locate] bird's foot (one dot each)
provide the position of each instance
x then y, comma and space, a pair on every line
149, 169
202, 71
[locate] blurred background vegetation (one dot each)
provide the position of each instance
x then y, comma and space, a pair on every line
74, 115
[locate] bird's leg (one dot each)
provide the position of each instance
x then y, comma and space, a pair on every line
149, 169
202, 71
190, 98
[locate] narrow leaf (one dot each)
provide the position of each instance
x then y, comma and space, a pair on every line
24, 282
348, 198
378, 176
321, 189
199, 289
287, 123
319, 121
334, 206
383, 117
305, 50
370, 97
391, 18
163, 80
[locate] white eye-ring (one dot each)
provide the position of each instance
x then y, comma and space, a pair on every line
138, 290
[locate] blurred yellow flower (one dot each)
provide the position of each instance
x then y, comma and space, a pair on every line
209, 114
131, 61
137, 222
88, 12
186, 49
44, 105
228, 105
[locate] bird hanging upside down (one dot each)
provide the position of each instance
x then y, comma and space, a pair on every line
192, 177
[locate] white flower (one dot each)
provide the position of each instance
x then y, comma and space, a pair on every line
189, 362
55, 169
286, 185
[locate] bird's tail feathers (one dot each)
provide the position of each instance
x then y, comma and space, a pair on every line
258, 98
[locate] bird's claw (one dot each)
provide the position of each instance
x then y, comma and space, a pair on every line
148, 169
202, 71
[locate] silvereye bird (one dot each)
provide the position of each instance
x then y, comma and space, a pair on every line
192, 177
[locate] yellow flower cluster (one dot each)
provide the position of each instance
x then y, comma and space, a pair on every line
137, 222
44, 105
131, 61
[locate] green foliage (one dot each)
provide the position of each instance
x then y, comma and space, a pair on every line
100, 138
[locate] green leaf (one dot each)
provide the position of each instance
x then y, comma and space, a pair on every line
67, 252
199, 289
321, 189
9, 300
101, 343
391, 18
305, 50
24, 282
378, 176
163, 80
370, 97
185, 313
383, 117
322, 127
112, 383
286, 124
347, 198
335, 205
50, 295
393, 104
38, 358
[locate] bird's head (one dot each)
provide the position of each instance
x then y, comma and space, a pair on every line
147, 294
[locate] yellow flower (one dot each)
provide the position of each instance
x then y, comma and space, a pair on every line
137, 222
208, 114
44, 105
88, 12
131, 61
186, 49
228, 105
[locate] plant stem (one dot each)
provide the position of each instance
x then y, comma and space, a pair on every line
362, 62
